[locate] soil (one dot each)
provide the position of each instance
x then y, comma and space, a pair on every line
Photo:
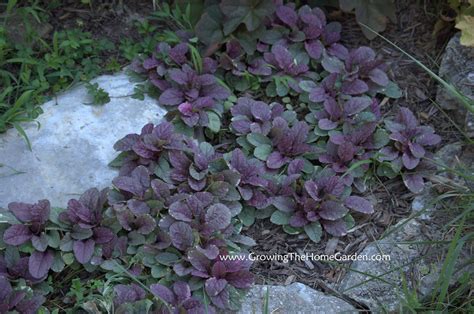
412, 32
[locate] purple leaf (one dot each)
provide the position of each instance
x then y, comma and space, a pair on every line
260, 111
362, 55
337, 228
40, 243
214, 286
39, 263
21, 211
409, 161
332, 210
181, 235
145, 223
171, 97
31, 305
5, 288
150, 63
218, 216
182, 290
314, 49
346, 151
326, 124
180, 211
355, 87
339, 51
211, 252
416, 149
178, 76
428, 139
287, 15
103, 235
17, 235
414, 182
356, 105
163, 292
276, 160
317, 94
282, 56
407, 118
242, 279
198, 260
284, 203
38, 212
388, 153
129, 293
178, 53
83, 250
359, 204
295, 166
378, 76
312, 188
221, 300
332, 64
259, 67
298, 220
126, 143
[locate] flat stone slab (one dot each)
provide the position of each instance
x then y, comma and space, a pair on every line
74, 144
457, 68
295, 298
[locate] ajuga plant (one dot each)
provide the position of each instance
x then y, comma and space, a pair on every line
169, 221
270, 117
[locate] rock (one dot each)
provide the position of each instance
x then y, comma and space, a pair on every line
424, 202
384, 294
414, 262
72, 148
457, 68
295, 298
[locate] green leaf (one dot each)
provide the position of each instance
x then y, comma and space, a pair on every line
247, 216
381, 138
392, 90
214, 122
465, 23
162, 170
257, 139
314, 231
350, 222
262, 152
281, 87
23, 134
307, 86
119, 160
249, 12
209, 27
280, 218
291, 230
58, 263
167, 258
53, 238
374, 13
68, 258
159, 271
79, 233
54, 215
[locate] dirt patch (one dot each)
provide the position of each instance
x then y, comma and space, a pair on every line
113, 20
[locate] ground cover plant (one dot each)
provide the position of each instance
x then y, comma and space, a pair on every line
283, 124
